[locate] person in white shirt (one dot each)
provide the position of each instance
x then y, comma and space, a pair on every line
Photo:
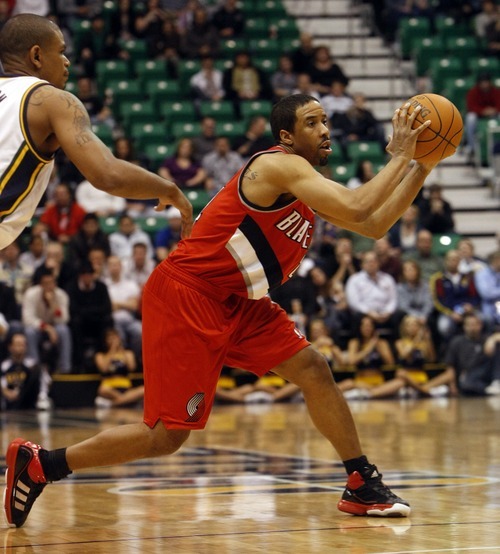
220, 165
100, 202
337, 101
125, 296
139, 266
374, 293
206, 84
122, 240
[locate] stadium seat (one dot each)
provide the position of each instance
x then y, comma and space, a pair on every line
272, 9
146, 134
138, 112
232, 129
455, 89
229, 47
165, 90
443, 69
483, 130
482, 64
286, 28
198, 198
186, 69
105, 133
136, 49
265, 48
409, 30
267, 65
151, 225
343, 172
220, 111
156, 153
251, 108
111, 70
446, 27
150, 70
123, 91
182, 110
288, 44
465, 47
365, 150
427, 49
337, 156
257, 28
185, 129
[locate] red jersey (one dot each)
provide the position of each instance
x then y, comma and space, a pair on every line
243, 248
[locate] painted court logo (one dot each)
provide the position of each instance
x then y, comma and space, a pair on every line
195, 407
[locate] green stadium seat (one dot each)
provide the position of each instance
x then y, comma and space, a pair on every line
257, 28
156, 153
445, 68
427, 49
337, 156
343, 172
231, 130
265, 48
288, 44
80, 30
229, 47
482, 64
455, 89
365, 150
105, 133
146, 134
465, 47
251, 108
151, 70
151, 225
124, 91
137, 49
138, 112
111, 70
272, 9
447, 27
199, 199
267, 65
441, 243
220, 111
185, 129
182, 110
165, 90
186, 69
222, 64
287, 28
409, 30
108, 224
483, 129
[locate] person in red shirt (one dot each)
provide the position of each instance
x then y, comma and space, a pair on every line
483, 100
64, 217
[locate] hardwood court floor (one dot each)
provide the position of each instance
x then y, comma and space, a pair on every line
260, 479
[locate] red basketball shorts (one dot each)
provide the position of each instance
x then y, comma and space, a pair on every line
190, 331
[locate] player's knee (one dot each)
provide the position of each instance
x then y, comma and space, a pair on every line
167, 441
317, 371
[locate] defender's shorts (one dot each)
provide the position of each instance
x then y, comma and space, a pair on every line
190, 330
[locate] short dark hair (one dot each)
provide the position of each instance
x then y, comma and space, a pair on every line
283, 114
22, 32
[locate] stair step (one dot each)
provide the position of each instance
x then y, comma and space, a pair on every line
481, 223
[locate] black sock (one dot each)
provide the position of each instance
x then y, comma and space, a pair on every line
54, 464
356, 464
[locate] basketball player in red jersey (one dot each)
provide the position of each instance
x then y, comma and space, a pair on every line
207, 305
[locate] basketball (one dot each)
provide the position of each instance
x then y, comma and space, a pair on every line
441, 139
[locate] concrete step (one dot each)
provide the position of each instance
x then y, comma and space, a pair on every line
320, 7
339, 26
486, 245
480, 223
468, 198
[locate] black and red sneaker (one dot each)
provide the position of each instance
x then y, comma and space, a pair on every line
24, 480
366, 495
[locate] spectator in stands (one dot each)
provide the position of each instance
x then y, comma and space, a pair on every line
12, 272
204, 143
357, 123
469, 262
166, 45
473, 359
64, 216
229, 20
166, 240
429, 263
125, 296
201, 37
115, 363
243, 81
98, 44
492, 36
20, 377
343, 263
324, 71
335, 311
123, 20
9, 309
336, 101
39, 7
90, 314
414, 296
206, 84
182, 169
139, 267
303, 55
404, 233
89, 236
98, 259
320, 338
367, 352
45, 313
454, 295
483, 101
436, 214
98, 111
373, 293
305, 86
55, 262
254, 140
487, 282
34, 257
124, 238
149, 21
364, 172
388, 258
220, 165
284, 79
98, 201
485, 17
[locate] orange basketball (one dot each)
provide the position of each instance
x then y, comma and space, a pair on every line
443, 135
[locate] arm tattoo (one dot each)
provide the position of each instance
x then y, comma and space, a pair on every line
81, 121
250, 175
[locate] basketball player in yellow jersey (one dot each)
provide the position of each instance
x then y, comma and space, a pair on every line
210, 294
37, 118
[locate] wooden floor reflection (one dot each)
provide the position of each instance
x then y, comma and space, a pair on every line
260, 479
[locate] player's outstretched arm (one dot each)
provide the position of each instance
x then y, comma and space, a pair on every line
69, 122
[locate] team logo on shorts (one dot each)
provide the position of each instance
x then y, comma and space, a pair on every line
196, 407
